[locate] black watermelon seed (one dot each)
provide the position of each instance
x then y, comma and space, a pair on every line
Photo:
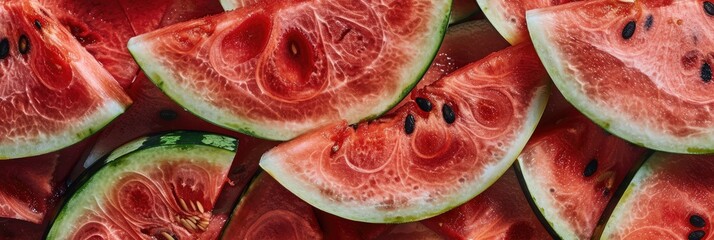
23, 45
449, 115
38, 25
424, 104
697, 221
649, 22
706, 72
168, 114
696, 235
629, 30
4, 48
409, 124
709, 8
591, 168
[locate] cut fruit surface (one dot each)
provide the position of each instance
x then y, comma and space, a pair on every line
426, 157
25, 186
269, 211
500, 212
639, 70
276, 70
54, 92
154, 187
103, 29
670, 197
509, 16
572, 168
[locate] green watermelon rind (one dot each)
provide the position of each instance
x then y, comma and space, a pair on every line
624, 204
285, 131
76, 132
417, 211
137, 156
603, 117
506, 30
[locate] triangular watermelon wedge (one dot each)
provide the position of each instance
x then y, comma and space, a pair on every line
449, 144
640, 70
54, 93
280, 69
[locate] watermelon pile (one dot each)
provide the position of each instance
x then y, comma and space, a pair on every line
402, 119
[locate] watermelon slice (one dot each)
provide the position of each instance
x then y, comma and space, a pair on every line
275, 71
146, 16
269, 211
431, 155
670, 197
572, 167
154, 187
639, 70
500, 212
54, 92
103, 29
509, 16
25, 185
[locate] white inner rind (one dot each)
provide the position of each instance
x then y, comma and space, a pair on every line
420, 208
142, 48
540, 21
494, 13
94, 191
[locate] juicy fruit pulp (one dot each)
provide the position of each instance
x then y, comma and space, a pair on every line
423, 159
269, 211
103, 29
23, 191
670, 197
643, 76
500, 212
54, 92
159, 186
509, 16
276, 70
572, 168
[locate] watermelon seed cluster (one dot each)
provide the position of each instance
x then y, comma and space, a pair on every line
706, 72
409, 124
591, 168
24, 44
698, 222
38, 25
4, 48
448, 114
629, 30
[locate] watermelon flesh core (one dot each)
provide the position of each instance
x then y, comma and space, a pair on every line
572, 169
55, 92
500, 212
480, 119
509, 16
150, 188
103, 29
267, 70
269, 211
651, 88
663, 196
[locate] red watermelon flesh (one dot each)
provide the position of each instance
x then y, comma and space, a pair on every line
54, 93
146, 16
670, 197
410, 231
269, 211
103, 29
418, 161
337, 228
463, 43
271, 68
509, 16
25, 186
500, 212
640, 70
572, 167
